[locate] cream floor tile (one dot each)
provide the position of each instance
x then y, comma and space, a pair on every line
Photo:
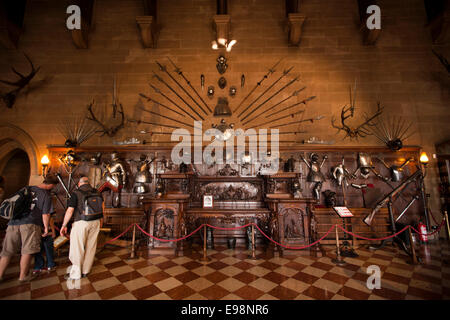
181, 260
110, 260
230, 271
399, 287
342, 271
196, 296
263, 284
167, 284
279, 260
428, 272
231, 284
258, 271
399, 272
136, 284
232, 296
314, 271
158, 259
339, 297
90, 296
267, 296
126, 296
199, 284
379, 262
327, 285
286, 271
161, 296
358, 285
19, 296
176, 270
121, 270
304, 261
203, 271
106, 283
302, 297
230, 260
55, 296
148, 270
36, 284
98, 268
295, 285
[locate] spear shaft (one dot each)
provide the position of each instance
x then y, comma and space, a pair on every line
291, 106
152, 123
160, 104
285, 73
270, 98
296, 122
294, 94
178, 70
176, 93
271, 70
280, 118
170, 100
166, 117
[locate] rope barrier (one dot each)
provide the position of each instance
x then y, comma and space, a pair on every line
269, 238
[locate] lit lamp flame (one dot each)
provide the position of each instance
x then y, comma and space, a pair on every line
45, 161
423, 158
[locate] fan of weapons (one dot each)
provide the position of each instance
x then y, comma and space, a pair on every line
9, 98
442, 60
363, 129
392, 131
76, 129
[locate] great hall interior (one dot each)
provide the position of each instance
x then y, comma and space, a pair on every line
229, 139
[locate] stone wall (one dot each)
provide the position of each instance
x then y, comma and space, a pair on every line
400, 71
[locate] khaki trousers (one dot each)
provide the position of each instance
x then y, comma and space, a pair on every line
83, 244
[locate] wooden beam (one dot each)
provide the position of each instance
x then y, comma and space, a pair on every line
11, 22
80, 37
147, 24
295, 22
222, 6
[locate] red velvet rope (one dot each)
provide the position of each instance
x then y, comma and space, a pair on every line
118, 235
430, 234
169, 240
377, 239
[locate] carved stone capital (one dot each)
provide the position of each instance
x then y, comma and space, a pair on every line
295, 23
222, 26
148, 30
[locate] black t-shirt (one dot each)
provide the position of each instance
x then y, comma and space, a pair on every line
42, 204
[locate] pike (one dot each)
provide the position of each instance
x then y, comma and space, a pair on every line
63, 185
176, 93
300, 121
295, 93
152, 123
170, 100
163, 68
166, 117
268, 99
280, 118
160, 104
285, 73
271, 70
291, 106
178, 70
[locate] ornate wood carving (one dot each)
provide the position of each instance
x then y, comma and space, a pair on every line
164, 224
81, 37
147, 24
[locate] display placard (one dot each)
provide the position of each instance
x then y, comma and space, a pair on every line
343, 212
208, 201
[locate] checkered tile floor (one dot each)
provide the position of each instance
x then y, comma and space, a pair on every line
231, 275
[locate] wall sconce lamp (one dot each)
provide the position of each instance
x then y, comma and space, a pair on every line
223, 44
45, 161
424, 159
222, 25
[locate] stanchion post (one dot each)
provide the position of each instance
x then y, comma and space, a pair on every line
413, 250
447, 224
253, 256
338, 260
204, 257
133, 242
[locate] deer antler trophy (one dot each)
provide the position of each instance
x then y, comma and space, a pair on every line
9, 98
110, 131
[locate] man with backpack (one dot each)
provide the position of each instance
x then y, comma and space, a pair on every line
29, 221
86, 205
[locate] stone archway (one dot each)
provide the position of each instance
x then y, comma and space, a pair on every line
13, 137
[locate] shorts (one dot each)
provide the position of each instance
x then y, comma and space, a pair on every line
25, 238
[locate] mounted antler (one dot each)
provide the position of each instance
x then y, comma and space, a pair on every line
111, 131
10, 97
360, 131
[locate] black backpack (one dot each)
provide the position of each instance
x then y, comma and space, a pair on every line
18, 206
90, 205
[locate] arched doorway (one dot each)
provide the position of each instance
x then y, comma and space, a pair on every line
15, 169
